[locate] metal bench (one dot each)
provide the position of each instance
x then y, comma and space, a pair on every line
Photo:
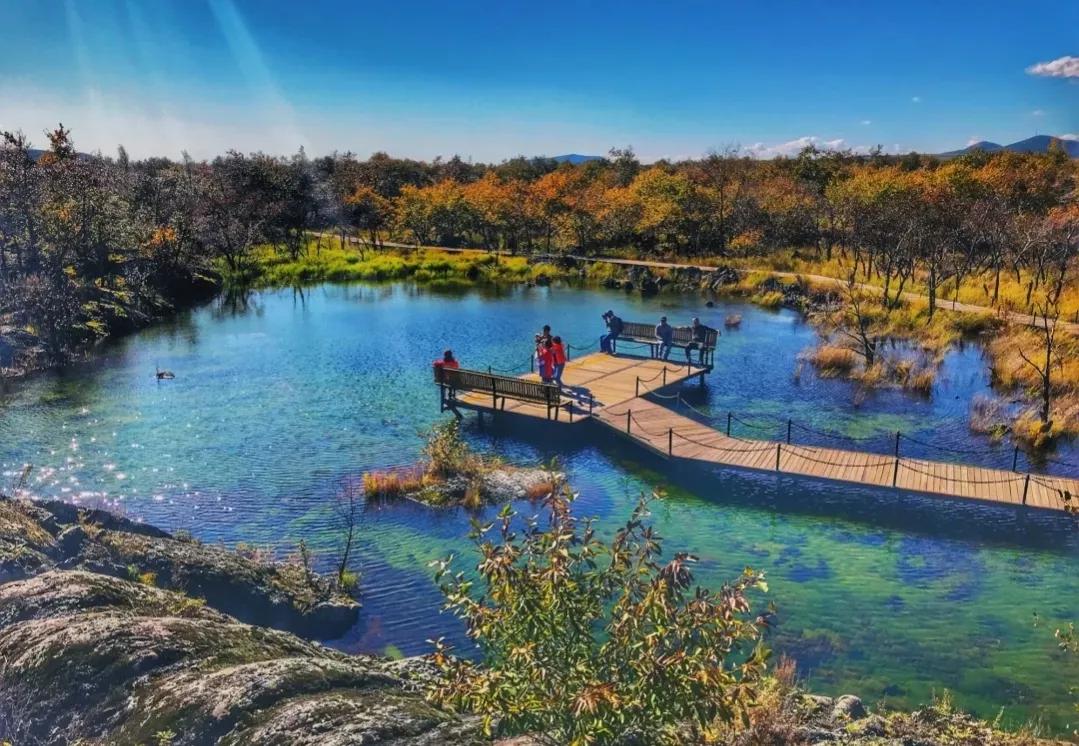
451, 381
633, 331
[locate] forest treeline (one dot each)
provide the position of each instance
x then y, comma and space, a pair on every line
93, 244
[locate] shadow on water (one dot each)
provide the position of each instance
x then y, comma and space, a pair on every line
937, 517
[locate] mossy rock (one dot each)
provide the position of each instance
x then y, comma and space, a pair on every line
85, 656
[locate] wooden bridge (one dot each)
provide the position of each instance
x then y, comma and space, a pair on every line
618, 392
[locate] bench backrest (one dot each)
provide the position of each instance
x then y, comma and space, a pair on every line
461, 379
682, 334
639, 330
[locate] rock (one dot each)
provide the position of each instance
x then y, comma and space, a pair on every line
817, 704
874, 725
848, 707
503, 485
71, 540
500, 485
39, 536
85, 656
813, 734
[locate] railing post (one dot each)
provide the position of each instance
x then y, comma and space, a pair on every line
728, 424
629, 413
788, 430
897, 436
670, 441
532, 364
895, 473
664, 374
637, 387
591, 403
779, 450
1015, 458
1026, 486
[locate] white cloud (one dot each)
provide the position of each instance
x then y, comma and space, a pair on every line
1038, 113
916, 99
793, 147
867, 122
1072, 136
101, 121
1063, 67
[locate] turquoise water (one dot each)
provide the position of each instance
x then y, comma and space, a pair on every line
279, 398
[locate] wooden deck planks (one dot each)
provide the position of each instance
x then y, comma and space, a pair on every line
612, 382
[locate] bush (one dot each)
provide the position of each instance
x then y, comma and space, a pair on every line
588, 642
448, 454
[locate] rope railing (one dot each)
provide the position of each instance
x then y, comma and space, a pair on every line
949, 449
751, 425
836, 436
905, 464
805, 453
520, 367
659, 373
798, 451
759, 449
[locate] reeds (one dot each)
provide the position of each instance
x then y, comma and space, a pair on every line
833, 360
394, 483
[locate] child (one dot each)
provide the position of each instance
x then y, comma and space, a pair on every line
545, 355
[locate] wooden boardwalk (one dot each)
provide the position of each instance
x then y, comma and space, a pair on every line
611, 390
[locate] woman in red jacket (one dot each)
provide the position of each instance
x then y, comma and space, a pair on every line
559, 351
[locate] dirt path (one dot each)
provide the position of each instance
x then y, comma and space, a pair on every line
947, 305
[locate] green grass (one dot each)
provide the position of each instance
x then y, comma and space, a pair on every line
333, 262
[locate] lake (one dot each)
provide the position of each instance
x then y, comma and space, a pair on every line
280, 396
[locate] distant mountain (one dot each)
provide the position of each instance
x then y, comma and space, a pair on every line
983, 145
1041, 143
576, 158
1036, 144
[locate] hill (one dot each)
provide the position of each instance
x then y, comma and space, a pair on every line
576, 158
1036, 144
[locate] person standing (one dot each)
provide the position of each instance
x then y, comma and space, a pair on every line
665, 336
607, 343
544, 335
545, 356
558, 351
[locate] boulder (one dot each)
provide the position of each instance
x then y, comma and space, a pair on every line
848, 707
85, 656
873, 726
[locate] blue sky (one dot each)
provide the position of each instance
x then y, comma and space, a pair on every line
498, 79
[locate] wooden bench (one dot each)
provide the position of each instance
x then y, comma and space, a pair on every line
454, 380
634, 331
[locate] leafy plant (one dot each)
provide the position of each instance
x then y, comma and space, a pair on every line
587, 642
447, 452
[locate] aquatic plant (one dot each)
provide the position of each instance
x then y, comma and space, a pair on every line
586, 641
988, 416
447, 452
832, 360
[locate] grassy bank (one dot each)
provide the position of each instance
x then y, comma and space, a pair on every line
976, 289
328, 260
